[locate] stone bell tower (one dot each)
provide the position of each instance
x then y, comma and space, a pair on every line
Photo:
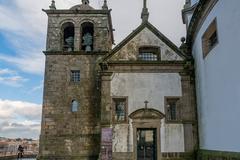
76, 39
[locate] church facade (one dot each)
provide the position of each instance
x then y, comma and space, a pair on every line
133, 102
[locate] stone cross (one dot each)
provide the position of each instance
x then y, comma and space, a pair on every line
145, 13
144, 3
105, 6
52, 6
85, 2
146, 104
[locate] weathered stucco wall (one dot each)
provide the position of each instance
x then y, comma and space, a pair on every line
145, 38
172, 137
153, 87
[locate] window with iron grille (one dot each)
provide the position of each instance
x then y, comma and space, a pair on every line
147, 57
120, 110
75, 76
149, 54
172, 110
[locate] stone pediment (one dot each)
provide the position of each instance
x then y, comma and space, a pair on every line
146, 35
147, 113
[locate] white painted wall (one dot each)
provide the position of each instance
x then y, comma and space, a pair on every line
171, 140
218, 81
153, 87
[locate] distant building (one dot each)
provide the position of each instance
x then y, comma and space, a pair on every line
213, 37
9, 147
135, 101
3, 148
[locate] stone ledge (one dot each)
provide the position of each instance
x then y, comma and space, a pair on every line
93, 157
217, 155
178, 156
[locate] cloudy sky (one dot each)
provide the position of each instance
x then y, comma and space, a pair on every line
22, 39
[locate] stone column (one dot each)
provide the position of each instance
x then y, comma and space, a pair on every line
77, 38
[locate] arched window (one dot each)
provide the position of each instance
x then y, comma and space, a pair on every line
68, 36
74, 106
87, 29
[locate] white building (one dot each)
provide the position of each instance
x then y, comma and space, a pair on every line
213, 37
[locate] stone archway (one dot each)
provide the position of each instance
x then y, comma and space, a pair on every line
147, 120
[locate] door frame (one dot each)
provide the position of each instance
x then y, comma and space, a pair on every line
147, 119
154, 131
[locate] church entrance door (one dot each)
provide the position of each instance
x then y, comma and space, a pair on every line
146, 144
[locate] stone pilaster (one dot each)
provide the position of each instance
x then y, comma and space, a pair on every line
106, 116
188, 113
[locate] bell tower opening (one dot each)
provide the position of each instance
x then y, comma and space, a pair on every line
87, 36
68, 36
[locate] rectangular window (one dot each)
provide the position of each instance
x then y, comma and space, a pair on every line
172, 109
148, 54
120, 110
147, 57
75, 76
210, 38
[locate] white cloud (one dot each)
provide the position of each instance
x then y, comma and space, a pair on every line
36, 88
11, 78
19, 109
7, 71
19, 130
19, 119
14, 81
30, 63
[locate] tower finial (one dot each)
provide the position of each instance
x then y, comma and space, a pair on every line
145, 13
105, 6
86, 2
53, 6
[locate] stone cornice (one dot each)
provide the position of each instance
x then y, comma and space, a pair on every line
75, 53
152, 63
67, 11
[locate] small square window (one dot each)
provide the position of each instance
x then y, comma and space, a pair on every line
120, 110
75, 76
210, 38
172, 109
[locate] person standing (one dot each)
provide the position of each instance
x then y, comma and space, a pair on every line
20, 151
